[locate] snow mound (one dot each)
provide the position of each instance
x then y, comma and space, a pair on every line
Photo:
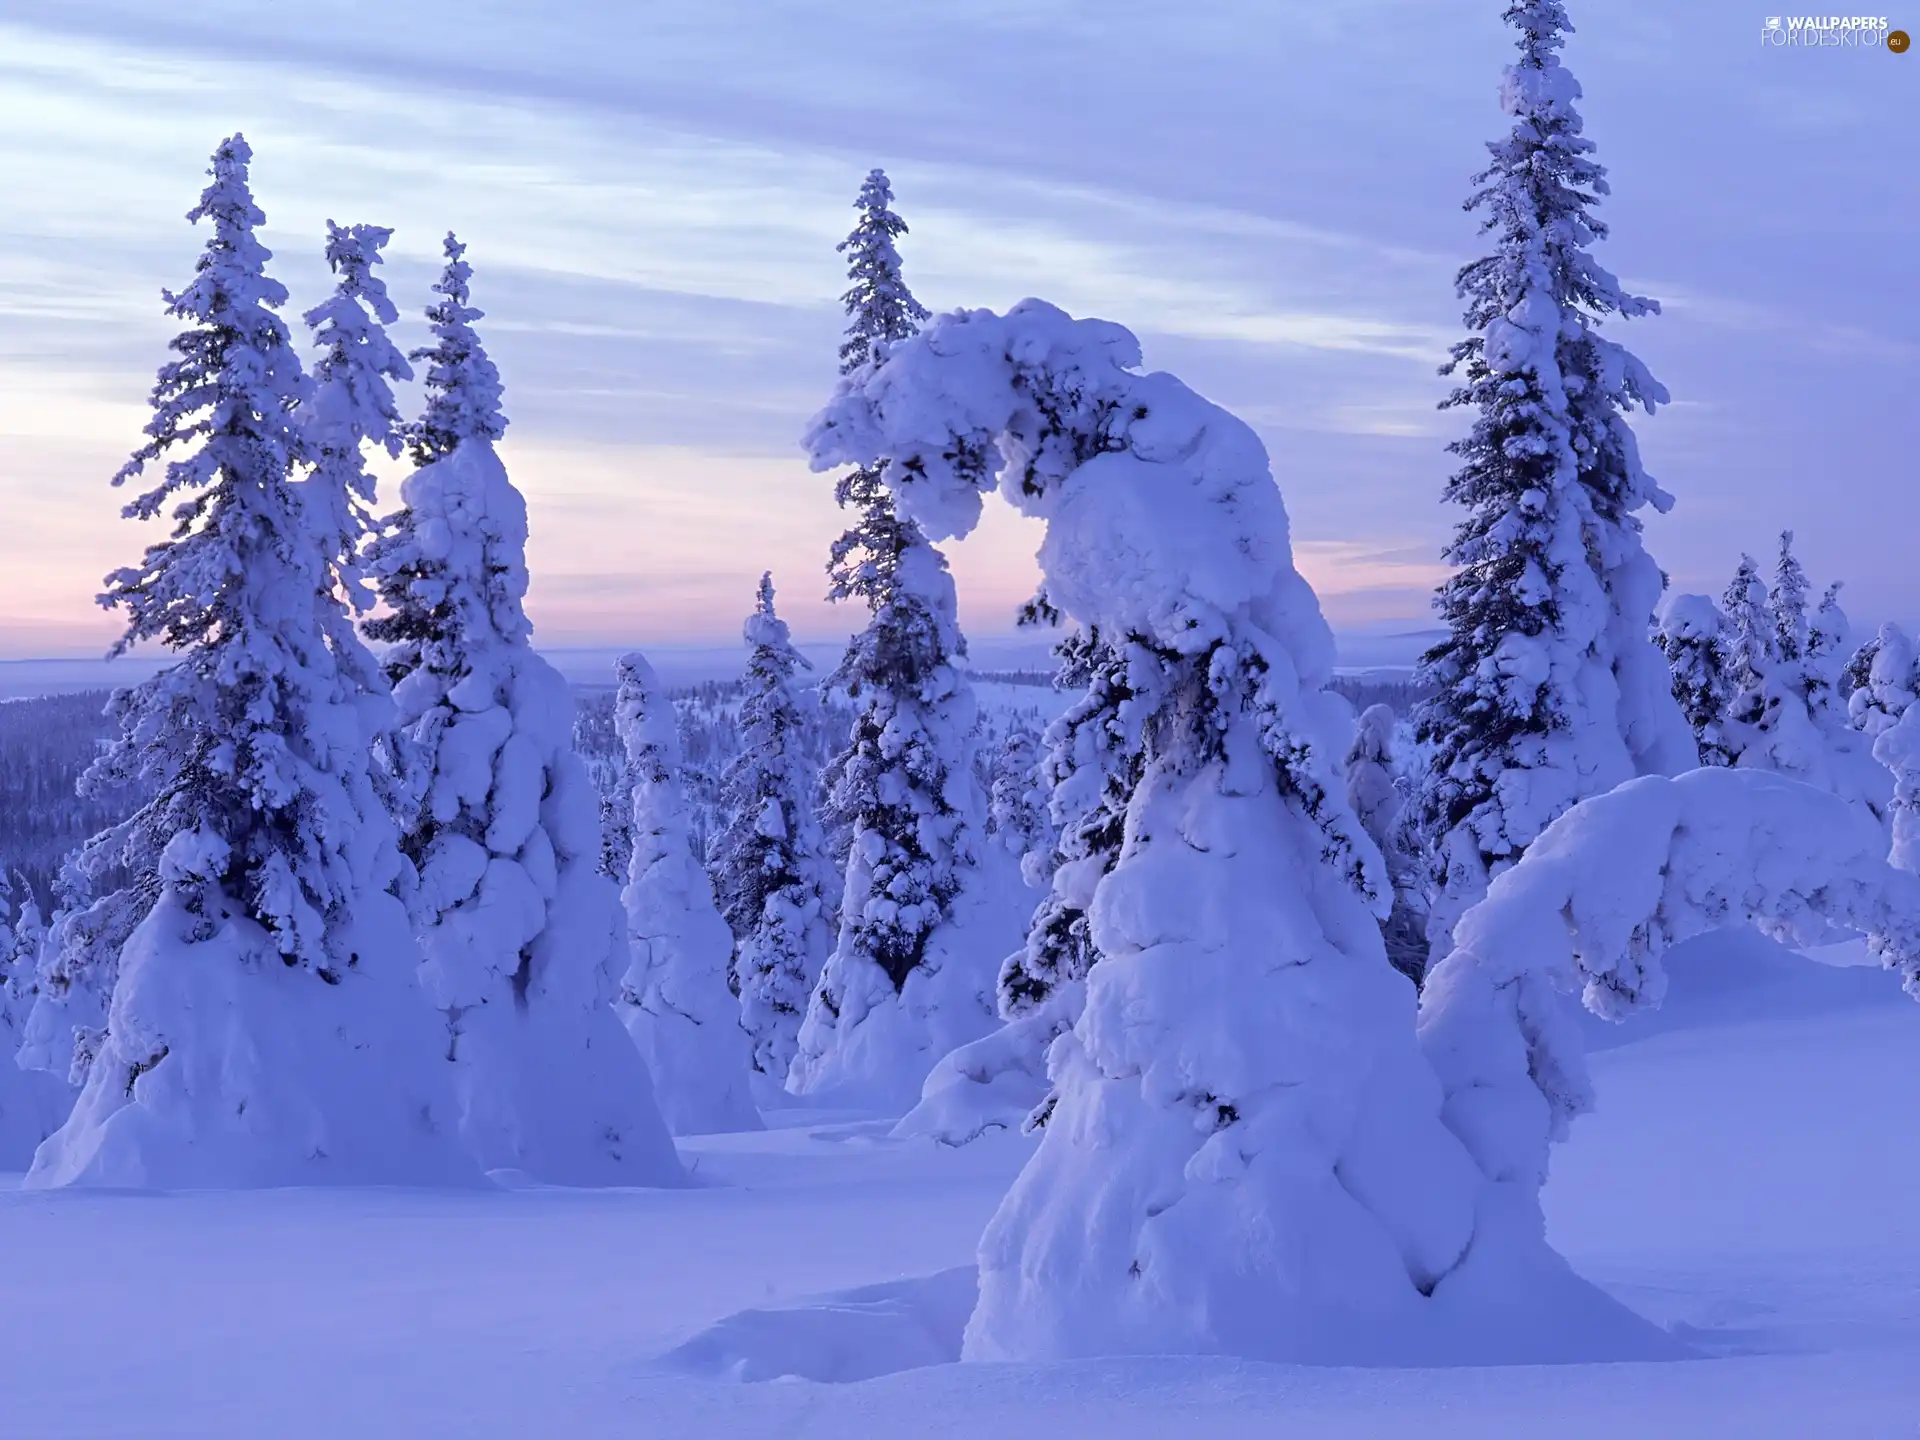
840, 1338
219, 1071
993, 1083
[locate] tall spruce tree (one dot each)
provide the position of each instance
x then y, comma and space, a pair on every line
1546, 689
273, 964
765, 854
523, 937
903, 790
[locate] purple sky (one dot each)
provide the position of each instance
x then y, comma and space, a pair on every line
1268, 194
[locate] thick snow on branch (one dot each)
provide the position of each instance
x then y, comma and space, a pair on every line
1595, 904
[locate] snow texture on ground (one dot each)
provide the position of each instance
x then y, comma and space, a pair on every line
1747, 1180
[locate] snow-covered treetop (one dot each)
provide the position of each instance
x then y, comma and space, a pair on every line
765, 630
1163, 519
353, 398
463, 387
1752, 650
1788, 597
880, 305
231, 303
646, 721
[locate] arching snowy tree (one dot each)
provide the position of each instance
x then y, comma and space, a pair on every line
891, 998
1692, 633
1547, 688
1246, 1155
266, 1025
675, 997
523, 938
1883, 680
765, 854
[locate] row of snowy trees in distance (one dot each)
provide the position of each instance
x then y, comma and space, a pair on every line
1279, 995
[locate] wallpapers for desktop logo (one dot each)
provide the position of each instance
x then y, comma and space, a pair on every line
1824, 32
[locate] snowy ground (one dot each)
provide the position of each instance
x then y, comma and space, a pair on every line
1749, 1180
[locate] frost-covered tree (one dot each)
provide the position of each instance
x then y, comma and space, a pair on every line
32, 1103
675, 997
902, 792
1246, 1155
523, 937
765, 854
265, 1025
1693, 635
1378, 797
463, 386
1784, 715
1882, 681
1546, 688
97, 910
1017, 802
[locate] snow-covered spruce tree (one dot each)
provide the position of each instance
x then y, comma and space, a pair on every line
523, 938
1882, 681
892, 997
1246, 1155
1094, 759
32, 1103
266, 1025
1693, 635
1547, 688
1784, 716
675, 997
1017, 802
1377, 796
97, 909
765, 854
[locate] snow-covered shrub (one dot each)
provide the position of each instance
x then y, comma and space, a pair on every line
1882, 681
523, 937
1378, 797
674, 998
1246, 1154
1692, 634
32, 1103
1546, 689
765, 855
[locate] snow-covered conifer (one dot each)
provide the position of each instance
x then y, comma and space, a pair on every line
903, 791
675, 996
1246, 1155
1547, 688
1375, 793
1883, 679
765, 854
463, 387
32, 1103
523, 937
266, 1026
1692, 633
1017, 802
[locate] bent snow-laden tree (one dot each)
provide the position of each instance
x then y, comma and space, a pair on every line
766, 853
1547, 688
674, 997
266, 1026
1592, 908
522, 935
910, 975
1246, 1154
